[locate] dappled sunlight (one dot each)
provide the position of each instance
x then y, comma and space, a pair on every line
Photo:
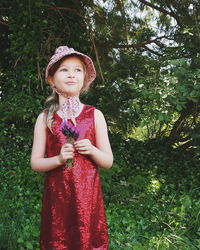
154, 185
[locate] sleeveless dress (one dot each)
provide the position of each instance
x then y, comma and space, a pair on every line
73, 216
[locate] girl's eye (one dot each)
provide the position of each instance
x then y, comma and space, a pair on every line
63, 69
78, 69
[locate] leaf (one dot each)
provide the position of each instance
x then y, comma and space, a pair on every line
178, 107
20, 240
29, 245
138, 246
160, 117
186, 202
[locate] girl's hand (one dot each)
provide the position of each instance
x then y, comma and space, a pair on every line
84, 147
66, 153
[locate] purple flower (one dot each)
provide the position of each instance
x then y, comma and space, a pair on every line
69, 131
71, 134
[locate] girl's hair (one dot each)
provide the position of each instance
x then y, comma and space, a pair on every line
52, 102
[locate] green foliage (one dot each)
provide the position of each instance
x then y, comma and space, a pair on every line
144, 79
151, 198
32, 36
168, 104
153, 202
20, 200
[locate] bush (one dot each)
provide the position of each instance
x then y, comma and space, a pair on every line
151, 197
20, 200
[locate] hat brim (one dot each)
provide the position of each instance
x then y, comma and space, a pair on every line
88, 62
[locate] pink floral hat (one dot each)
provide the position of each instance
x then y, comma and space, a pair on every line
65, 51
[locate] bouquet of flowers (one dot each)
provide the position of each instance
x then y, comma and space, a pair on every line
71, 134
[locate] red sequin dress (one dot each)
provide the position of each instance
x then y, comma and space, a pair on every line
73, 216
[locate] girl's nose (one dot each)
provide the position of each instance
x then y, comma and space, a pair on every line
71, 74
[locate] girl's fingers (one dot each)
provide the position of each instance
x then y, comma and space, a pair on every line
67, 152
69, 156
67, 145
83, 148
66, 156
82, 144
68, 148
84, 152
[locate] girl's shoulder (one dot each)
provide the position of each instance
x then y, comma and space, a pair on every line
98, 114
98, 117
96, 111
91, 111
42, 117
87, 106
87, 109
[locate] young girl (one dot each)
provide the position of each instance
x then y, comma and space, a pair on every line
70, 141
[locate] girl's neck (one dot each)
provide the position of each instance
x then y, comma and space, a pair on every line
70, 108
63, 100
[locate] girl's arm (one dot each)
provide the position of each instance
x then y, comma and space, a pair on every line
38, 161
102, 153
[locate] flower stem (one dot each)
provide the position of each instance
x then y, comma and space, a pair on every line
69, 162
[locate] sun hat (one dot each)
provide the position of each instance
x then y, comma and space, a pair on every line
62, 51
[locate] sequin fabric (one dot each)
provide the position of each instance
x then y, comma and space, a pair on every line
73, 216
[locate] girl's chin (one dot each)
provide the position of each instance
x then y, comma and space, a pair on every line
71, 90
71, 93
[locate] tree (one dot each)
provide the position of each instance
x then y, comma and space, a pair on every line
146, 54
156, 69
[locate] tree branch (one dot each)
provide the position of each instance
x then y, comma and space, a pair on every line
161, 10
70, 10
121, 7
186, 145
96, 53
3, 23
140, 45
152, 51
169, 6
161, 45
178, 125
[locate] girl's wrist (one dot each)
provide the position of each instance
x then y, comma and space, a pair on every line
59, 160
93, 150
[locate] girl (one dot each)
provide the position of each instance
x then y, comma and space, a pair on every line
73, 216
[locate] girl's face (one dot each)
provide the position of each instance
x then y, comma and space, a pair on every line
69, 77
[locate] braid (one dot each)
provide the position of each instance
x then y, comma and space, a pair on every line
53, 106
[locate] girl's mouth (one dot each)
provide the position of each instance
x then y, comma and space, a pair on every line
70, 83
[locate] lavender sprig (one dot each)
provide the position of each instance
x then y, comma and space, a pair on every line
71, 134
